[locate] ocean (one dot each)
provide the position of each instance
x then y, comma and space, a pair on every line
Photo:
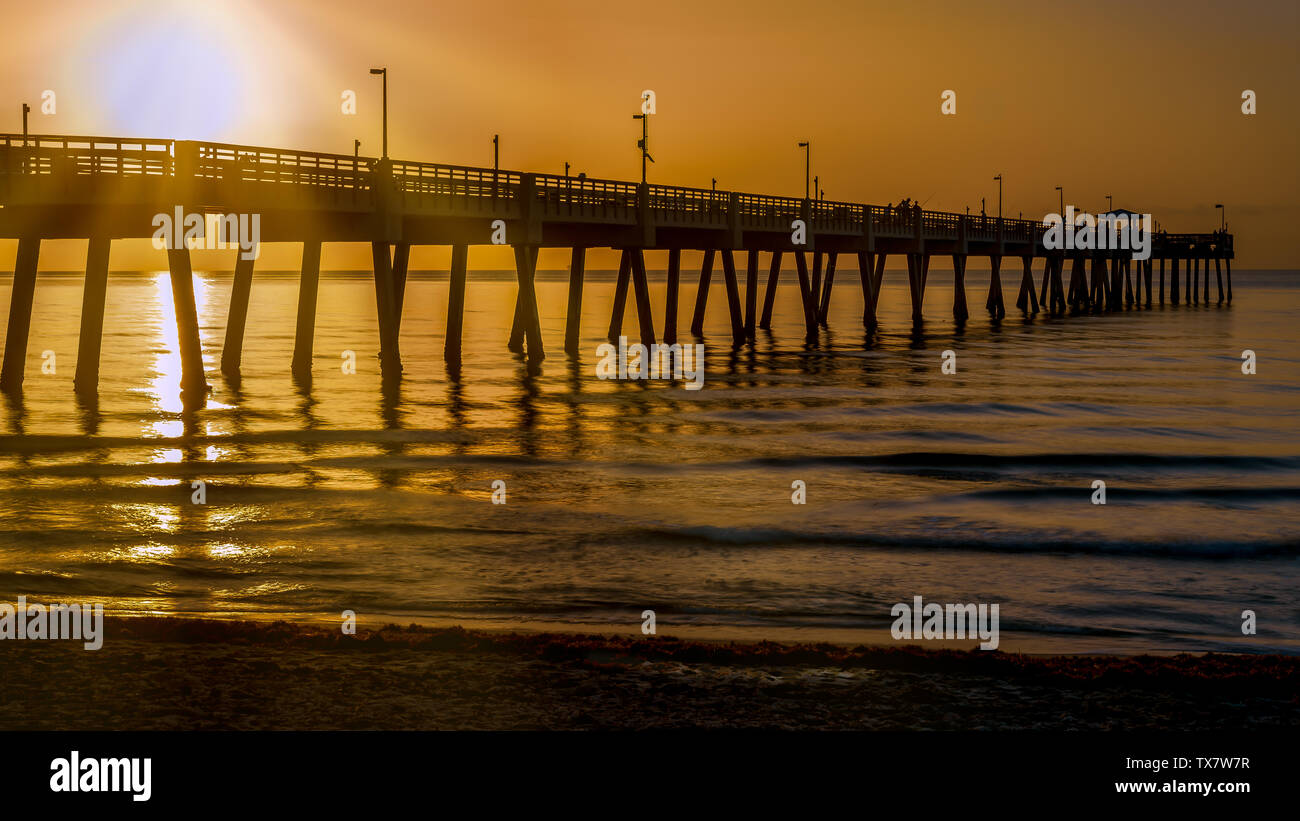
352, 494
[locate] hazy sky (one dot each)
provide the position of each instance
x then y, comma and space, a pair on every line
1138, 100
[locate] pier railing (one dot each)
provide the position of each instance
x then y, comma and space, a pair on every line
350, 181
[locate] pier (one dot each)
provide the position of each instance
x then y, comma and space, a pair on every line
100, 189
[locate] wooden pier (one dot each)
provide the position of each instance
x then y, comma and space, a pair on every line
101, 189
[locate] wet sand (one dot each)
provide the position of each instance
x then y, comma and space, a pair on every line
177, 674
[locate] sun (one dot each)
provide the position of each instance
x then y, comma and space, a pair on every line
164, 70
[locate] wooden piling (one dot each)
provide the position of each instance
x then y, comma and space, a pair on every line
95, 291
1043, 298
641, 286
233, 351
751, 294
829, 281
805, 291
878, 279
1027, 300
769, 296
1173, 281
1078, 299
994, 302
702, 293
525, 270
193, 380
674, 287
1218, 276
573, 316
401, 260
451, 347
866, 266
817, 277
308, 287
1058, 305
1116, 301
1097, 289
1227, 266
1205, 278
1146, 274
20, 314
916, 284
1162, 280
733, 296
620, 296
959, 310
519, 325
390, 358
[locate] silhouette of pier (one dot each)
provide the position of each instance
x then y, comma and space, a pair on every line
101, 189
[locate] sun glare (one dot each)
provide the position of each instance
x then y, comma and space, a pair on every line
169, 70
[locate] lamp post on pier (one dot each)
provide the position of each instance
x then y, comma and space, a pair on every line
807, 165
383, 72
644, 142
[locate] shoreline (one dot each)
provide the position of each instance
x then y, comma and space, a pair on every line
165, 673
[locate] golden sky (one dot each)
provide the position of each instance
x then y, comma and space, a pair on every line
1141, 100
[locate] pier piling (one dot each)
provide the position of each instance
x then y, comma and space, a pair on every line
308, 287
93, 297
20, 314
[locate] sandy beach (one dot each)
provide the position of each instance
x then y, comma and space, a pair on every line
176, 674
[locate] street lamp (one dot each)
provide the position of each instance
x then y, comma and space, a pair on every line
26, 110
1223, 217
1110, 205
644, 142
1062, 192
715, 185
384, 73
356, 149
999, 179
807, 165
496, 161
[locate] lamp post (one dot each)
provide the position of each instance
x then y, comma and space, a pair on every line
356, 149
26, 109
999, 179
1061, 191
383, 72
644, 142
496, 161
1223, 217
1110, 205
807, 165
